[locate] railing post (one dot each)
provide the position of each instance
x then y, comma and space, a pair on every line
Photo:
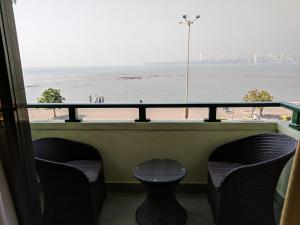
295, 120
212, 115
142, 115
73, 115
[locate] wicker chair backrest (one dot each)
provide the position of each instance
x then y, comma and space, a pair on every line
63, 150
257, 148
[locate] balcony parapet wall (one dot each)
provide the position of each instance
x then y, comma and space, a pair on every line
123, 145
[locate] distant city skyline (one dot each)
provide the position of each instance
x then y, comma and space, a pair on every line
64, 33
254, 59
217, 59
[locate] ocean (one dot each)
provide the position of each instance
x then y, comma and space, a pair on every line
165, 83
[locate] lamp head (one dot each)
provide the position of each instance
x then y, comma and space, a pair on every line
198, 16
184, 16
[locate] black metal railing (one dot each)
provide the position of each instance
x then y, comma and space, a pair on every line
142, 107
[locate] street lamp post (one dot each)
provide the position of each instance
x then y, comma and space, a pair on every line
189, 23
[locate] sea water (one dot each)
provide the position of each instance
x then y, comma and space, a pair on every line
163, 83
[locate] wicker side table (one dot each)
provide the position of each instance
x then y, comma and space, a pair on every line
160, 178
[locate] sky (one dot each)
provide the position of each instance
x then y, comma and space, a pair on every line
83, 33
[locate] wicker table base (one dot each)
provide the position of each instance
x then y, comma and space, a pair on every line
160, 178
158, 211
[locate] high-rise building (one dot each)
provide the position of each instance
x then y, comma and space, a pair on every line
255, 58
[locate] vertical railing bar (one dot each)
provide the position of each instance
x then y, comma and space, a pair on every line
212, 114
72, 111
142, 114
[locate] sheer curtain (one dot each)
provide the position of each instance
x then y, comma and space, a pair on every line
290, 214
7, 211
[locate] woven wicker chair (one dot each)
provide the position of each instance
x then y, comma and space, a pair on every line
72, 181
242, 178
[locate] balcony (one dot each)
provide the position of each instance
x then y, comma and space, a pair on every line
123, 144
53, 35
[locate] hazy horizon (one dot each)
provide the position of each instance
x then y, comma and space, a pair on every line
101, 33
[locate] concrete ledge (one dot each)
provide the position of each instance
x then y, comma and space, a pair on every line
168, 126
283, 127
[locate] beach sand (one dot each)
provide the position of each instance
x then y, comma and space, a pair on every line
165, 114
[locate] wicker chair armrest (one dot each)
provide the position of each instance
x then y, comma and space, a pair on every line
240, 172
249, 177
231, 174
59, 173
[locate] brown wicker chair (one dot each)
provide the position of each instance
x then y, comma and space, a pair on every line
72, 181
242, 178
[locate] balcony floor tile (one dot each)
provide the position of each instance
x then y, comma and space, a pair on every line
119, 208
